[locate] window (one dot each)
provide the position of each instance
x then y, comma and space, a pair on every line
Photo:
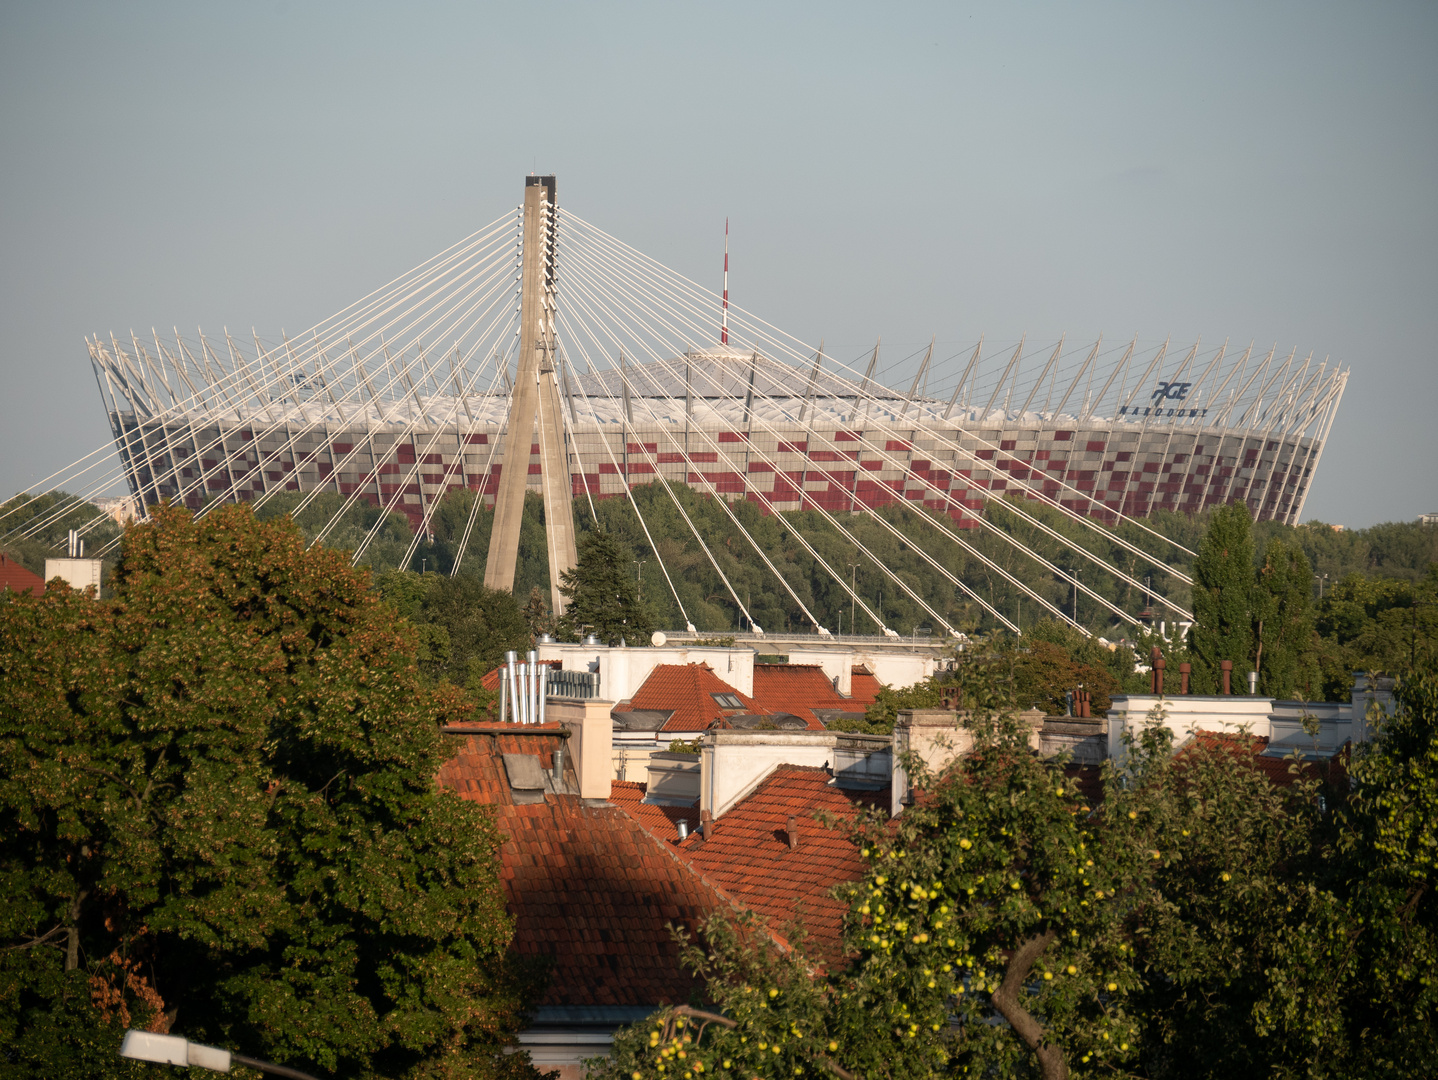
727, 701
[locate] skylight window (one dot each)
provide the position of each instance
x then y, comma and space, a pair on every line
727, 701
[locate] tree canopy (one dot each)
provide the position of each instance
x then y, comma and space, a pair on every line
219, 815
601, 596
1196, 920
464, 626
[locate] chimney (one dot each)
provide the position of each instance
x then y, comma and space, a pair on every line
1154, 685
683, 830
793, 833
706, 823
1158, 666
1183, 672
1227, 667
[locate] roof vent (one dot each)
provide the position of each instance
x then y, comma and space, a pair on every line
591, 639
526, 778
683, 829
793, 833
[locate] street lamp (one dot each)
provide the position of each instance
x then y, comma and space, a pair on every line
853, 595
175, 1050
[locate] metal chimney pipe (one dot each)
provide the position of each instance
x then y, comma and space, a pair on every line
683, 829
503, 694
522, 674
509, 677
531, 677
1253, 682
543, 672
557, 768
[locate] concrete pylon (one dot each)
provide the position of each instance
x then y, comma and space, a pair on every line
535, 398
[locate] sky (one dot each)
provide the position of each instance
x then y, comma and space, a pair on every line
1249, 172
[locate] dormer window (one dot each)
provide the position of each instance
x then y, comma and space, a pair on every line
727, 701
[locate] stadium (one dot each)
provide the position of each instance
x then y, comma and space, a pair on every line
1139, 435
543, 343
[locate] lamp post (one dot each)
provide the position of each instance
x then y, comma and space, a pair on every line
175, 1050
853, 595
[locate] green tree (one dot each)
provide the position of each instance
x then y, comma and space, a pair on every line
1199, 921
1376, 624
38, 528
218, 813
1283, 623
1388, 877
464, 626
601, 594
1222, 599
1044, 674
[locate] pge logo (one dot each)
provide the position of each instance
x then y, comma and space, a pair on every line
1171, 391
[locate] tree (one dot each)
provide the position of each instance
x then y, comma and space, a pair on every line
1283, 623
218, 814
38, 528
465, 627
1198, 921
601, 594
1222, 598
1387, 876
1045, 673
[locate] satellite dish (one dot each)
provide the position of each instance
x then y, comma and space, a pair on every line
657, 638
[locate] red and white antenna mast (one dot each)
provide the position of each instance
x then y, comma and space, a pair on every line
724, 323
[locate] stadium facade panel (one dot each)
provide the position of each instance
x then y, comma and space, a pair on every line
738, 425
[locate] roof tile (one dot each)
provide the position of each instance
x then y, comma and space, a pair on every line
748, 854
588, 886
688, 690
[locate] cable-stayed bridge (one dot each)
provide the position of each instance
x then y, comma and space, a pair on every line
540, 352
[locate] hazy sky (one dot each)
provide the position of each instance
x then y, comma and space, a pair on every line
1264, 172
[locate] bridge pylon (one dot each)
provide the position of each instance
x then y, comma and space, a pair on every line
533, 403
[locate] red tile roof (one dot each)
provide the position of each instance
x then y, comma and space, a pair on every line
588, 886
749, 858
16, 578
688, 690
798, 689
662, 821
863, 687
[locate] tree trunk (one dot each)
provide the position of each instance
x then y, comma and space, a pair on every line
1006, 999
72, 943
